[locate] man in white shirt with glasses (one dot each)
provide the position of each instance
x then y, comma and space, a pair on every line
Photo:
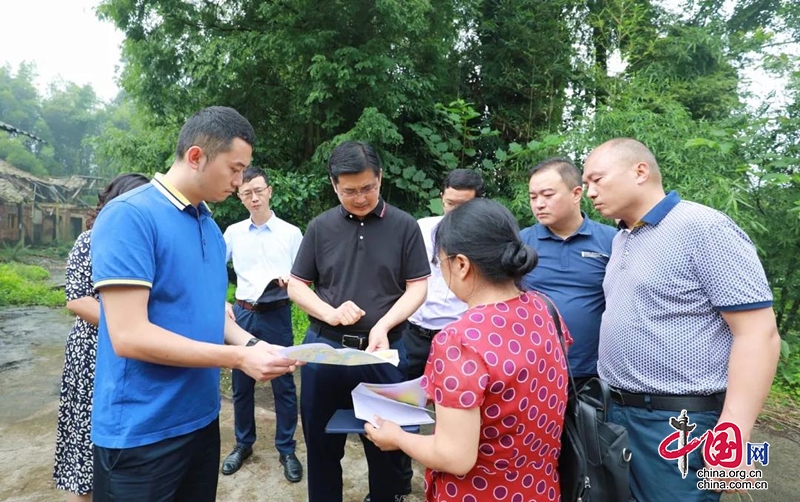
263, 248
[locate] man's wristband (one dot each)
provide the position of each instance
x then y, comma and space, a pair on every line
252, 342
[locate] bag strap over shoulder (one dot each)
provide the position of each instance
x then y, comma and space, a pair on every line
557, 321
596, 389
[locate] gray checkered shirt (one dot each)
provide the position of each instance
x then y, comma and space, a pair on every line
666, 283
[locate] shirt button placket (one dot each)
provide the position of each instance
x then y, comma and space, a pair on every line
625, 253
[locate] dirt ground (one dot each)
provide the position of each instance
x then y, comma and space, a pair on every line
31, 358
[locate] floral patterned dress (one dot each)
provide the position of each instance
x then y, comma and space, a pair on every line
73, 470
506, 359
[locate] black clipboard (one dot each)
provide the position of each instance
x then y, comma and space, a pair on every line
345, 422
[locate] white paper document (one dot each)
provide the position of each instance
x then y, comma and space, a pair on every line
323, 353
402, 403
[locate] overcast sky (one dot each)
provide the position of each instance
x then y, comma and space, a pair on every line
65, 40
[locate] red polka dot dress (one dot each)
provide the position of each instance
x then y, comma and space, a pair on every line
506, 359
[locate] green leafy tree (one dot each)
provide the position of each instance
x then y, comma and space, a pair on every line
71, 113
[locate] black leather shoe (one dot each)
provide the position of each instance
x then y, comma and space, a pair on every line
366, 499
235, 460
292, 468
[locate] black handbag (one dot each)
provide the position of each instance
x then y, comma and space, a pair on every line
594, 464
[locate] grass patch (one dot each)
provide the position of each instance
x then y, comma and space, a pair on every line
299, 324
24, 285
33, 254
781, 413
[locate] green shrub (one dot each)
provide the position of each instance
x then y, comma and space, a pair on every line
299, 324
27, 285
787, 379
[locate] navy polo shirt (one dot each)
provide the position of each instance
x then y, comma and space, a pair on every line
153, 237
571, 271
367, 261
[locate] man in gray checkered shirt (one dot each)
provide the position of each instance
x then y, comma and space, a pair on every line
688, 321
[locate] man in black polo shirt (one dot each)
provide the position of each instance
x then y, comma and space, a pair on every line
368, 265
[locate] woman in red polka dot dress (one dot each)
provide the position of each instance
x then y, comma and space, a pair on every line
497, 376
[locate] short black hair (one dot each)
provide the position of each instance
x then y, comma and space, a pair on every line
464, 179
252, 173
565, 168
485, 232
213, 129
117, 187
353, 157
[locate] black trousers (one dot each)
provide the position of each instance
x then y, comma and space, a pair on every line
183, 468
418, 347
325, 388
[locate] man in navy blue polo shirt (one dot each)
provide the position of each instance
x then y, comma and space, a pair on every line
367, 262
688, 325
158, 260
573, 252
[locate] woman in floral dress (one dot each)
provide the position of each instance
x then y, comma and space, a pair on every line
497, 376
73, 460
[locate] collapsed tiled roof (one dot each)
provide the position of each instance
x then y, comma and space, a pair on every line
18, 186
14, 130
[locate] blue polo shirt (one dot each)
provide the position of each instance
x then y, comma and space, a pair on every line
153, 237
571, 271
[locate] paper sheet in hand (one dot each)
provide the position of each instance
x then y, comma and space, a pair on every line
323, 353
402, 403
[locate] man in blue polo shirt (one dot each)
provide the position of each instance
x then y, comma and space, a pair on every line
158, 260
573, 252
688, 325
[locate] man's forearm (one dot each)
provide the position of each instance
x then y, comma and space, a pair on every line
151, 343
234, 334
305, 298
407, 304
751, 368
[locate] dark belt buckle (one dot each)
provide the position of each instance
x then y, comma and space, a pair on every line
354, 342
615, 393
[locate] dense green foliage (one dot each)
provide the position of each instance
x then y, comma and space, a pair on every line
497, 86
65, 120
27, 285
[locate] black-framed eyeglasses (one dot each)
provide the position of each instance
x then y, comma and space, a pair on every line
435, 258
249, 193
352, 192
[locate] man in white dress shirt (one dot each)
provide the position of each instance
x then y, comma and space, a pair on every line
263, 248
441, 306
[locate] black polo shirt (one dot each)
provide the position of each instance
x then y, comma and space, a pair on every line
367, 261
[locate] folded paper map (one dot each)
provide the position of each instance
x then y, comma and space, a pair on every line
325, 354
402, 403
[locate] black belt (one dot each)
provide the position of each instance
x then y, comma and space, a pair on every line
352, 340
423, 332
262, 307
668, 402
